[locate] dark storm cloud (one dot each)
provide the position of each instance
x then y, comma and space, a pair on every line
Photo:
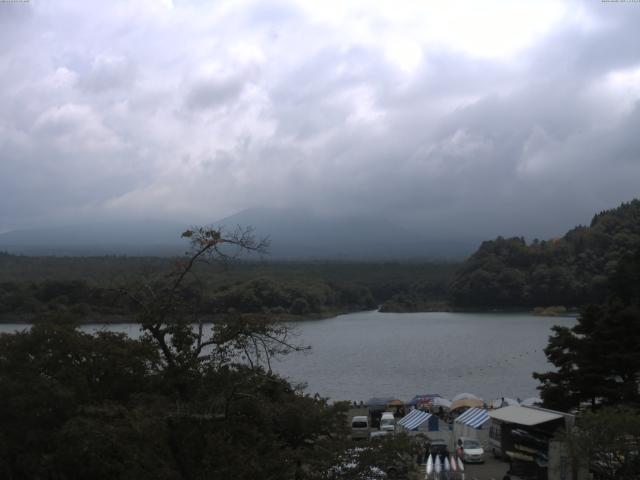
196, 110
212, 92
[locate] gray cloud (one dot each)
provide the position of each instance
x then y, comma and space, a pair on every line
213, 92
107, 73
200, 110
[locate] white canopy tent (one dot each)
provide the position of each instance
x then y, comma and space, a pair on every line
474, 423
415, 420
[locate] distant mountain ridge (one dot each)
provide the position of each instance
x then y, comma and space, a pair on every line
570, 271
294, 234
297, 234
145, 237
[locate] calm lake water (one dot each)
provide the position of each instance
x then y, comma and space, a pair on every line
366, 354
361, 355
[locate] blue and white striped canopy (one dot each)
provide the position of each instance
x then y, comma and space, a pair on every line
474, 417
414, 419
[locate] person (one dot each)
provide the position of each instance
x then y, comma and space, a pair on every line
427, 450
459, 450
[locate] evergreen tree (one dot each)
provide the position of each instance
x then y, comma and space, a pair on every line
570, 271
598, 359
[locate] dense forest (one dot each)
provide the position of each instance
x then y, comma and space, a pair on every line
94, 288
570, 271
504, 273
173, 404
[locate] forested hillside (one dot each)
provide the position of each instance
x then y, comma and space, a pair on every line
95, 288
570, 271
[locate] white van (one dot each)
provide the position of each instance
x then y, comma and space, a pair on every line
387, 422
360, 427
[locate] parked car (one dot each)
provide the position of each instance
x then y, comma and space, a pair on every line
360, 427
472, 451
439, 447
387, 422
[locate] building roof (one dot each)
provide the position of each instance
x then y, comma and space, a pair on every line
414, 419
474, 417
524, 415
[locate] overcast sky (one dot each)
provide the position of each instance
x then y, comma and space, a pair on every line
456, 117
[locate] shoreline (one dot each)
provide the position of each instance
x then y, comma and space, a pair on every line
119, 319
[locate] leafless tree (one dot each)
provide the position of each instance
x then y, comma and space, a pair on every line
168, 313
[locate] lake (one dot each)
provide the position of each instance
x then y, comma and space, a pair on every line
366, 354
361, 355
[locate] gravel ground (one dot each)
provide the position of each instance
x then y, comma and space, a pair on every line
492, 469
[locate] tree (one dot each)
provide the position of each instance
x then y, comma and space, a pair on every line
608, 439
598, 359
564, 271
178, 403
50, 373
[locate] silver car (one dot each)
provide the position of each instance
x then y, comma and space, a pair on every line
472, 451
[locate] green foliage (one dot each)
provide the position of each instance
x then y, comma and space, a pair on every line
80, 406
420, 297
299, 298
598, 360
90, 288
570, 271
178, 403
49, 373
609, 440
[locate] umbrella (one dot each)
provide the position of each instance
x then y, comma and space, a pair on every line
467, 402
454, 465
441, 402
460, 396
530, 402
424, 398
395, 406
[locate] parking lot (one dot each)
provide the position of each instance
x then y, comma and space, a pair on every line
492, 469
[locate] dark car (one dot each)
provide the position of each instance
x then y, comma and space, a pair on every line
439, 447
